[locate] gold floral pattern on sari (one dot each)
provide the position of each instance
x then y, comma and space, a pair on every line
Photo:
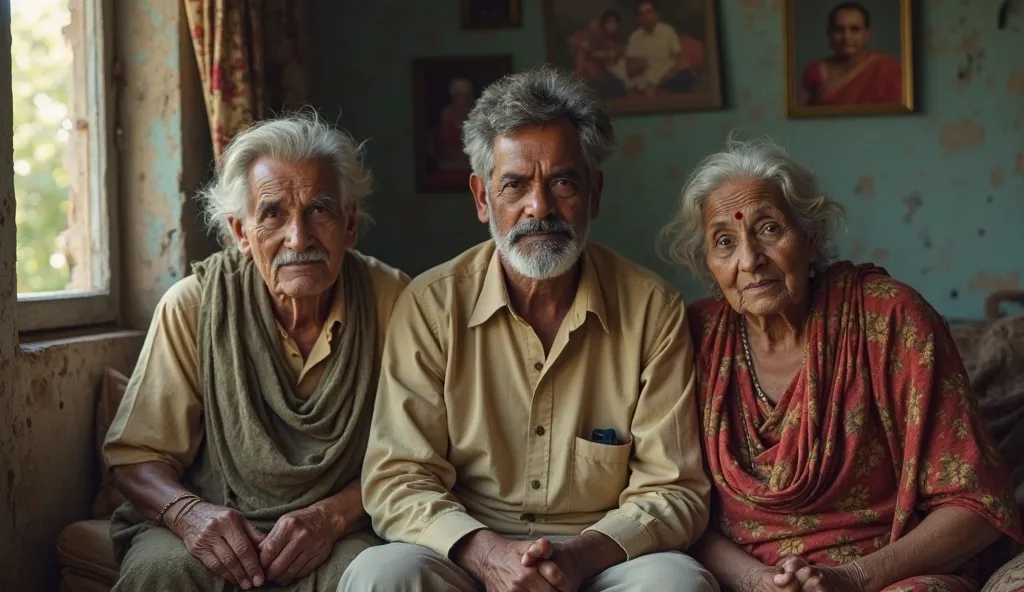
850, 458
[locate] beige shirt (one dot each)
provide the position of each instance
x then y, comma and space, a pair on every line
659, 47
160, 417
474, 427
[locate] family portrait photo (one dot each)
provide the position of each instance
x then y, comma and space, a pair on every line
651, 55
849, 58
444, 91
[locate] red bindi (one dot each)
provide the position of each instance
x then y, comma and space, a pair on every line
738, 215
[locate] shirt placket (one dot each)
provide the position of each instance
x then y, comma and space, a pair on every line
538, 448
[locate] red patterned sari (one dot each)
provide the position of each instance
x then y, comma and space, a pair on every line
878, 428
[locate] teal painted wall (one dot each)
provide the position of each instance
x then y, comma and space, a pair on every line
936, 197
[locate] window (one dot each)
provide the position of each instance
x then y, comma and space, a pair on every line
64, 180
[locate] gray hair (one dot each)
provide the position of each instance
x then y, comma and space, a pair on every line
683, 240
532, 98
292, 138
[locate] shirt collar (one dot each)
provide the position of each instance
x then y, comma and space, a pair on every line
494, 295
336, 315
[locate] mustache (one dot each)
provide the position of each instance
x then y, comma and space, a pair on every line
528, 227
288, 257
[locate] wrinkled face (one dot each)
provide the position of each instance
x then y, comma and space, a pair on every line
848, 34
759, 257
539, 201
646, 15
296, 229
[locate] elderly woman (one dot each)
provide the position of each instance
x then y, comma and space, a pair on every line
845, 447
241, 435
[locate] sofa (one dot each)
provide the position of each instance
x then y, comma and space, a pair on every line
992, 350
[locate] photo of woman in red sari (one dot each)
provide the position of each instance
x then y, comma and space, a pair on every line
854, 74
843, 440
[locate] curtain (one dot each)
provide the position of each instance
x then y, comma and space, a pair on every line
251, 56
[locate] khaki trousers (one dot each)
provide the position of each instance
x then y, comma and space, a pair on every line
401, 567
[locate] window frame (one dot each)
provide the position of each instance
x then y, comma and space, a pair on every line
65, 309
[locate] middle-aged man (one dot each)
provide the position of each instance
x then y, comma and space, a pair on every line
652, 54
241, 435
535, 425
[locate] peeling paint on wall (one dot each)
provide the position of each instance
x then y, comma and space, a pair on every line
1015, 83
986, 282
997, 177
962, 135
865, 187
913, 203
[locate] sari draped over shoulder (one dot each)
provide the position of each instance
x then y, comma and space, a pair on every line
878, 79
878, 427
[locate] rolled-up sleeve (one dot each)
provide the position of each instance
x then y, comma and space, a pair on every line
406, 475
160, 417
665, 504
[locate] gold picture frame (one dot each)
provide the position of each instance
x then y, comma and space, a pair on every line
577, 41
880, 83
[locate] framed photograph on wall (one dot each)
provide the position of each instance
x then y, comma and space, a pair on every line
491, 14
640, 56
849, 58
444, 91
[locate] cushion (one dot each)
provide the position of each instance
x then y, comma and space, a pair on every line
1009, 578
86, 553
111, 391
993, 354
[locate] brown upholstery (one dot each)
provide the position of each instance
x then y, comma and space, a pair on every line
84, 549
87, 557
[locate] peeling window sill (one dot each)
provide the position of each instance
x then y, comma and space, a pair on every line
37, 341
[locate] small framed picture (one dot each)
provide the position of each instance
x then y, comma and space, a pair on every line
444, 91
639, 56
491, 14
849, 58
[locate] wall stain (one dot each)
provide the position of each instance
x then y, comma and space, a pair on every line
858, 250
675, 175
913, 203
959, 136
880, 255
666, 128
985, 281
757, 114
634, 146
1019, 167
1015, 83
865, 187
997, 177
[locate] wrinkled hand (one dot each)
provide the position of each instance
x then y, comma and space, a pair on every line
557, 567
224, 541
813, 578
770, 579
504, 570
299, 542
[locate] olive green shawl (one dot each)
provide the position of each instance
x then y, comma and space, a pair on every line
266, 450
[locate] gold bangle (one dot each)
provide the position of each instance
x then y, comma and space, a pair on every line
167, 506
192, 503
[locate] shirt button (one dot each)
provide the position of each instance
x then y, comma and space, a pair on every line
535, 484
539, 431
538, 366
529, 517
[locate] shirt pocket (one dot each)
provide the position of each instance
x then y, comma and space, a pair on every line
599, 474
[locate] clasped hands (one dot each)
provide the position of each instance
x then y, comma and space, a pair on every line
793, 574
231, 546
523, 566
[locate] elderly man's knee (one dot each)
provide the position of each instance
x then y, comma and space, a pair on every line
401, 566
661, 572
161, 567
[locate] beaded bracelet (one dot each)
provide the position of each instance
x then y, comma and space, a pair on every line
167, 506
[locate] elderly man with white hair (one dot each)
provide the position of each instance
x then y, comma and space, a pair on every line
241, 435
535, 426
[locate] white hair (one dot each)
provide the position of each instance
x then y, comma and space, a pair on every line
683, 240
292, 138
532, 98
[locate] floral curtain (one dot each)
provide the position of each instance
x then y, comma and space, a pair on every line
251, 56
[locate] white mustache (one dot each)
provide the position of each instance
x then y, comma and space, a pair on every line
288, 257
